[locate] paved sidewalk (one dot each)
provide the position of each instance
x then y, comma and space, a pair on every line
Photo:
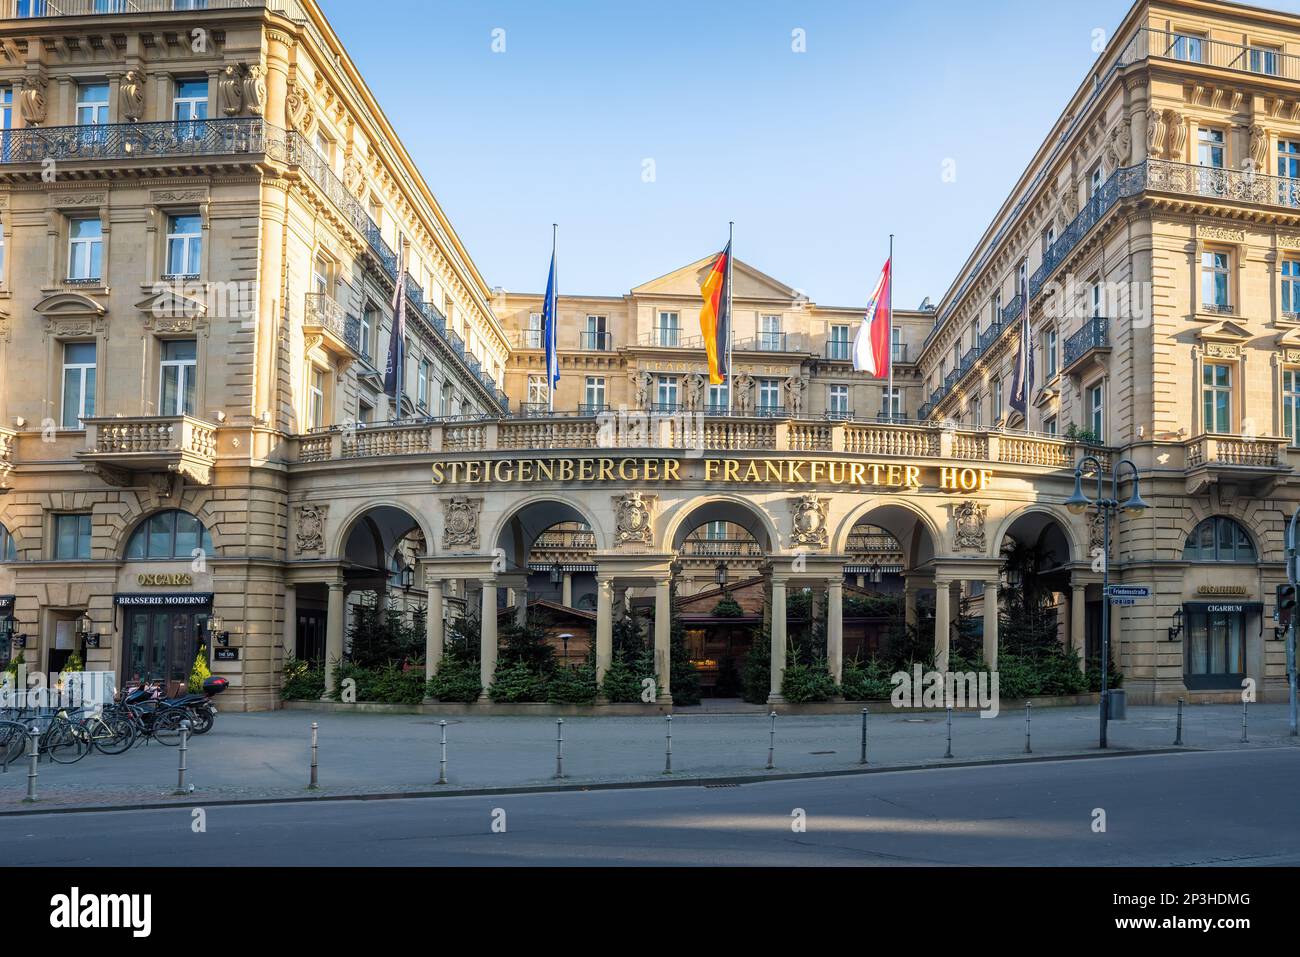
266, 755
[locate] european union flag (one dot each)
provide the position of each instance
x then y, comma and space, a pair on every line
550, 318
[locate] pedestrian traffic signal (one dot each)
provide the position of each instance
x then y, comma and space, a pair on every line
1286, 595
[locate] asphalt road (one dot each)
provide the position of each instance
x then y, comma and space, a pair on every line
1221, 808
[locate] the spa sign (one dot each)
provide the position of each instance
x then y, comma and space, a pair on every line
758, 471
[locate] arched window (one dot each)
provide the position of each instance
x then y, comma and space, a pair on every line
168, 535
8, 551
1219, 539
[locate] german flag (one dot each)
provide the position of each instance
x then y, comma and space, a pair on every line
715, 317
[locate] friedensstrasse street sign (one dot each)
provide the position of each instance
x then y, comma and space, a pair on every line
1130, 591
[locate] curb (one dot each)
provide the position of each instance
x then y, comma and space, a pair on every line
596, 785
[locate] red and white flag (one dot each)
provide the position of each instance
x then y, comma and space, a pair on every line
871, 348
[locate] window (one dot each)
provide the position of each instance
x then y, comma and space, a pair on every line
1215, 273
666, 391
1049, 237
6, 117
715, 531
538, 394
769, 394
173, 534
78, 383
365, 411
85, 250
1095, 291
1095, 181
899, 349
1050, 350
533, 340
322, 274
1288, 158
1049, 425
1291, 286
71, 536
837, 400
1097, 412
717, 398
8, 551
594, 395
1187, 47
837, 346
669, 327
92, 104
1263, 60
1219, 539
1291, 405
1216, 644
893, 405
316, 398
190, 107
977, 411
1022, 280
1216, 397
996, 307
184, 245
369, 322
769, 334
179, 369
324, 146
422, 385
995, 397
1210, 145
595, 337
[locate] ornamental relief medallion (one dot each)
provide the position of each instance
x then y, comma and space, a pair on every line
311, 528
632, 514
460, 523
1288, 241
968, 526
1221, 234
808, 521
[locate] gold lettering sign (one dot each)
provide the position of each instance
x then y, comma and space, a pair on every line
178, 579
1221, 590
787, 472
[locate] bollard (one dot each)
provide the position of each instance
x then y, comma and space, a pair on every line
948, 754
771, 744
442, 761
181, 787
863, 759
313, 785
559, 748
1244, 705
668, 755
33, 755
1028, 749
1178, 737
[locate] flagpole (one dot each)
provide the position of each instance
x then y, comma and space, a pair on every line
889, 343
401, 303
731, 316
552, 334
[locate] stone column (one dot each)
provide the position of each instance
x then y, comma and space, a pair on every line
290, 631
942, 624
488, 637
604, 626
910, 591
566, 598
991, 624
778, 640
1078, 622
434, 627
335, 612
663, 640
835, 628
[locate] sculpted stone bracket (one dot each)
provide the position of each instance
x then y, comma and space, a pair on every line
808, 521
310, 536
968, 526
632, 519
460, 523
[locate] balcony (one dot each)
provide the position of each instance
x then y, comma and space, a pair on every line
1199, 51
1090, 342
718, 548
1254, 463
900, 353
595, 341
118, 447
338, 333
243, 137
770, 342
840, 350
669, 337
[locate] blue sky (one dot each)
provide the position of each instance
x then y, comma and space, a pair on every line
817, 156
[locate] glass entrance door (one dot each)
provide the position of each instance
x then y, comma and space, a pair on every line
1216, 646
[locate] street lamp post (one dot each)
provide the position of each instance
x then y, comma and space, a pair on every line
1078, 503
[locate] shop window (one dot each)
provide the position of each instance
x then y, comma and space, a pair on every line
1219, 539
168, 535
71, 537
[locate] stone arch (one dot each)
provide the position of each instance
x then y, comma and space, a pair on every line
694, 512
521, 525
893, 513
122, 534
1050, 516
1255, 537
387, 508
1239, 512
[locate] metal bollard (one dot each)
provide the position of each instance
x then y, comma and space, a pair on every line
1028, 749
1178, 737
668, 755
442, 761
1244, 706
863, 759
33, 755
181, 786
313, 783
559, 748
771, 745
948, 753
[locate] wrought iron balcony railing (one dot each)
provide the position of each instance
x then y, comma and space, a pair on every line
23, 9
324, 313
1093, 335
135, 141
721, 548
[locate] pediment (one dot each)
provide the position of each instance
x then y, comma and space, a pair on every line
65, 305
1289, 339
170, 304
1224, 331
685, 282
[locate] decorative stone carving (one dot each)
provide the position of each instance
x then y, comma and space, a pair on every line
808, 521
255, 90
311, 528
641, 384
460, 522
298, 110
231, 89
1096, 534
32, 100
1118, 145
744, 397
695, 393
1176, 135
632, 519
1259, 148
164, 487
1222, 350
131, 95
968, 526
1220, 234
1156, 131
354, 178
